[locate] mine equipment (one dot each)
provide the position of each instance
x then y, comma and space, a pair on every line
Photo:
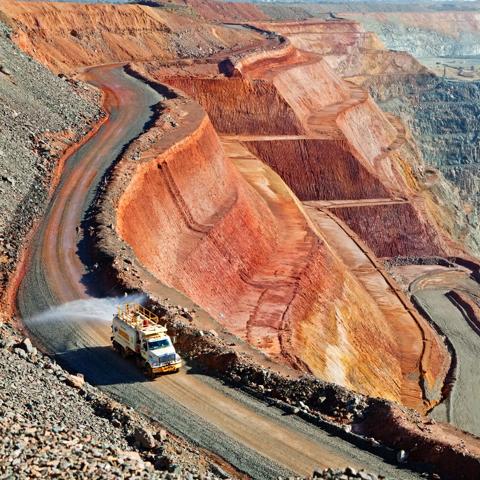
137, 332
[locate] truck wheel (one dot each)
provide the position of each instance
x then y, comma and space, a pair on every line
117, 347
150, 373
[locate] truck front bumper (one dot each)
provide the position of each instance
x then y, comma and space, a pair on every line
172, 367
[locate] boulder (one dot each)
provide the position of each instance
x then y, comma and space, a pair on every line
144, 438
76, 381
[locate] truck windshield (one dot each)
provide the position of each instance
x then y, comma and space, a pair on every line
161, 343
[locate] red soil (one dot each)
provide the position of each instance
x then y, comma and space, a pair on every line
336, 38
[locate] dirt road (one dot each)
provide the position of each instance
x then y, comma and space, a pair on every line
256, 439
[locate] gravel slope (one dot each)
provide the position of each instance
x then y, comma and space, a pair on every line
53, 424
40, 115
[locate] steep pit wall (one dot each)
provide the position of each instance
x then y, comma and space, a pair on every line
62, 34
319, 169
306, 82
325, 103
338, 337
240, 106
310, 87
394, 230
204, 248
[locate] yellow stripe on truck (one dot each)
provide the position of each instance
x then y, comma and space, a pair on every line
124, 335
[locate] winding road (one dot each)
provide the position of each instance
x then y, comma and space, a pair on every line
254, 438
431, 292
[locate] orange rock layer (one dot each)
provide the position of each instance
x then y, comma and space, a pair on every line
306, 166
239, 106
394, 230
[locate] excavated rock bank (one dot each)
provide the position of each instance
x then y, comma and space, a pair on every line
69, 36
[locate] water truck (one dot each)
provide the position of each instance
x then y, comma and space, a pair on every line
137, 332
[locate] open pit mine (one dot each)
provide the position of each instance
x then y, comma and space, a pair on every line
308, 271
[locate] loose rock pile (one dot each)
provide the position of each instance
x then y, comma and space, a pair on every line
348, 473
54, 424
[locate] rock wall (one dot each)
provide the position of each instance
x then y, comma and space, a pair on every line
393, 230
250, 260
319, 169
310, 87
442, 115
401, 85
204, 248
240, 106
367, 130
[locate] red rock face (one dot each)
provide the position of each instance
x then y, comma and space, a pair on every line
393, 230
227, 231
290, 295
198, 227
319, 169
68, 36
240, 106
